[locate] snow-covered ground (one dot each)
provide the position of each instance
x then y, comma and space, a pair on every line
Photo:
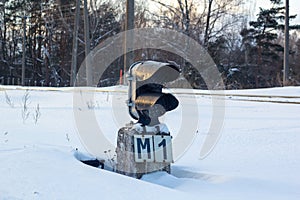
256, 157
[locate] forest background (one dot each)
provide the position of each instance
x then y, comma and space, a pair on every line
247, 51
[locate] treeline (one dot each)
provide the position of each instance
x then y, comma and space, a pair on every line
48, 38
249, 54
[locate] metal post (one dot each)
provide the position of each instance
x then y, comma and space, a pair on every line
128, 43
89, 73
75, 45
24, 51
286, 46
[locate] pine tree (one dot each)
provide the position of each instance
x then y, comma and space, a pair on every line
263, 52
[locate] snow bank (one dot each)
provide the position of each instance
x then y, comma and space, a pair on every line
257, 156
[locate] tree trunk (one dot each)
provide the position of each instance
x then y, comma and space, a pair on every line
206, 36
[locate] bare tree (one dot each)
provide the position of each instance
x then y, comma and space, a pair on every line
177, 16
203, 20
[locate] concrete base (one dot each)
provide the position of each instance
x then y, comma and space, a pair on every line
125, 154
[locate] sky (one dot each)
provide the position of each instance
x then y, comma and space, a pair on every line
294, 7
256, 4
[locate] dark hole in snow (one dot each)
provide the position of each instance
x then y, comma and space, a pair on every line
94, 163
88, 159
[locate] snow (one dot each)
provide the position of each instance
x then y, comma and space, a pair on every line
256, 156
